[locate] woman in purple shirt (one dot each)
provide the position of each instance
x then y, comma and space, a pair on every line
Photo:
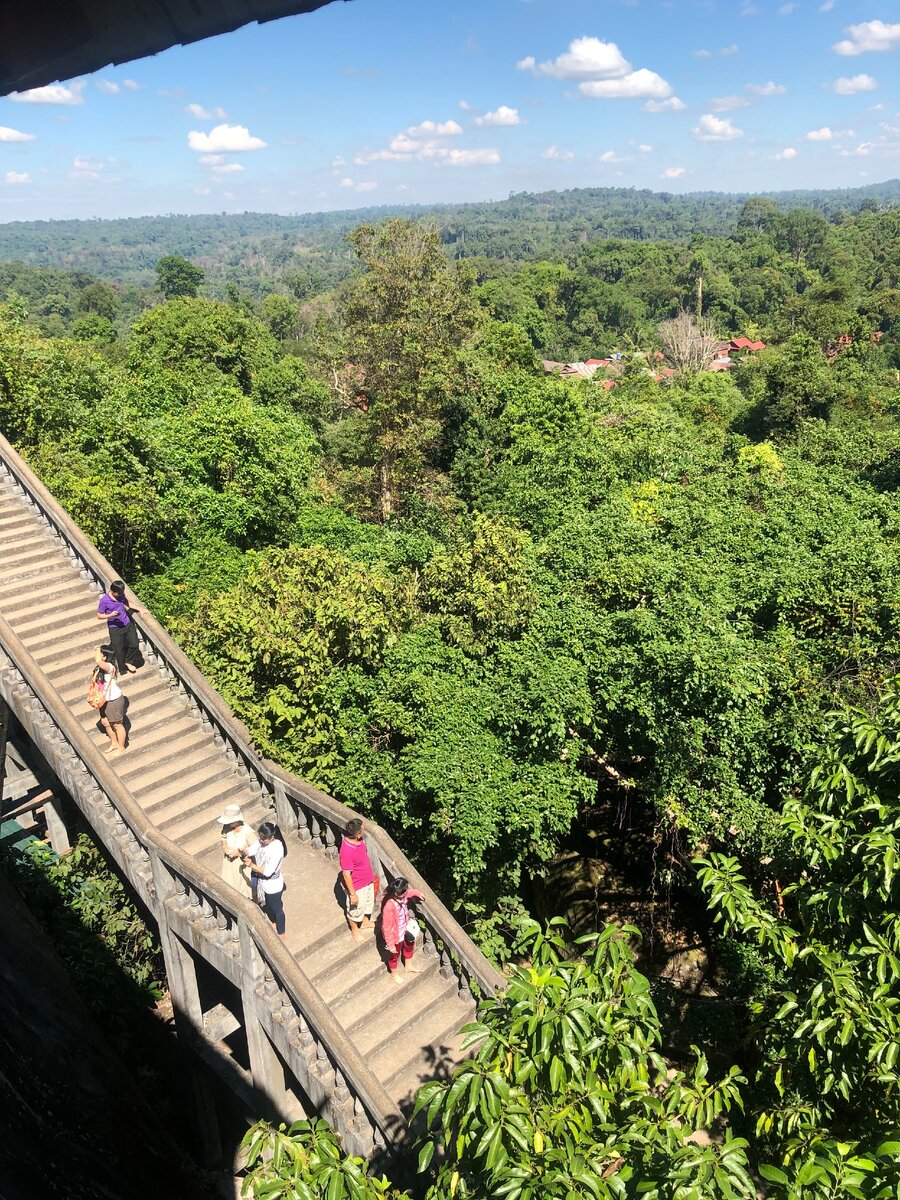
113, 609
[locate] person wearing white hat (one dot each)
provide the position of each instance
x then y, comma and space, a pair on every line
237, 838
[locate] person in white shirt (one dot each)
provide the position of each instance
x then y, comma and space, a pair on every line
112, 711
264, 861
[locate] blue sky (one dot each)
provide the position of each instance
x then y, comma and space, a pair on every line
395, 101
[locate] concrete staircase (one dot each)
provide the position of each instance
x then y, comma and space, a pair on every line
182, 779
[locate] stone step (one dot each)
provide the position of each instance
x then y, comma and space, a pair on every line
55, 613
356, 971
221, 791
410, 1004
182, 738
198, 825
13, 519
54, 651
190, 810
59, 580
22, 539
66, 659
30, 567
211, 764
430, 1054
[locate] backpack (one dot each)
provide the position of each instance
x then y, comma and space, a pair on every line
96, 693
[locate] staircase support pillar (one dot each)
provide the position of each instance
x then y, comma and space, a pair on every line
265, 1065
184, 990
56, 825
4, 739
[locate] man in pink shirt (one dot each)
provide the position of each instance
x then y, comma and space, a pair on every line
359, 879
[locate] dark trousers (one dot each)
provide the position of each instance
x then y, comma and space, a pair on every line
273, 905
125, 646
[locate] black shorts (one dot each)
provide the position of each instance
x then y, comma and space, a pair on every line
114, 711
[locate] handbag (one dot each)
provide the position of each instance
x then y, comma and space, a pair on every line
96, 693
413, 929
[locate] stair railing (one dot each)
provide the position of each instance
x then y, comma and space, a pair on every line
301, 810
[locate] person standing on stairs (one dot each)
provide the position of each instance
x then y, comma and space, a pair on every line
237, 838
112, 710
265, 864
359, 880
114, 610
399, 928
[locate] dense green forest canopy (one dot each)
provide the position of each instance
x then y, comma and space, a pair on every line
488, 605
255, 250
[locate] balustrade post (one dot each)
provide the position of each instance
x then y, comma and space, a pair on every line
284, 811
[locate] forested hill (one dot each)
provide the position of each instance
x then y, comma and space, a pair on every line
254, 249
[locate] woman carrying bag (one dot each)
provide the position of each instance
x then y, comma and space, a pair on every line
399, 928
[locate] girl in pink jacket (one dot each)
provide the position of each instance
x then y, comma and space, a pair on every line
394, 921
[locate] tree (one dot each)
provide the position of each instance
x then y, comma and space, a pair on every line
281, 314
406, 321
99, 298
178, 277
827, 1085
93, 328
689, 345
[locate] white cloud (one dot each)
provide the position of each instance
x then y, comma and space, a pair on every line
766, 89
504, 115
673, 104
226, 139
108, 87
601, 70
586, 58
851, 85
637, 85
54, 93
749, 10
863, 150
609, 156
644, 149
728, 103
702, 54
555, 153
827, 6
468, 158
825, 134
131, 84
337, 161
435, 129
227, 168
16, 177
716, 129
465, 105
85, 168
732, 49
426, 142
787, 9
205, 114
367, 185
783, 155
674, 172
14, 135
869, 36
211, 160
